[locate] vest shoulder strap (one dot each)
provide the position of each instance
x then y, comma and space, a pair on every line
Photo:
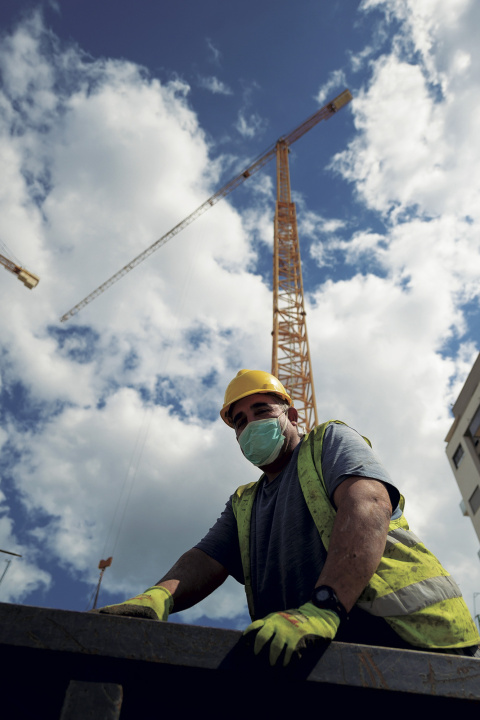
312, 482
242, 504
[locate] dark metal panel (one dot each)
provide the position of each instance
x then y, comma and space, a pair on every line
171, 665
112, 636
408, 671
97, 701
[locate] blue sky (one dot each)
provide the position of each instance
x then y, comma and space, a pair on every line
117, 120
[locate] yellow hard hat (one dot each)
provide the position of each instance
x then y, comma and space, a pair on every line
250, 382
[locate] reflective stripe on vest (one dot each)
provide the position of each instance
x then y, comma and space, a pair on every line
413, 598
406, 537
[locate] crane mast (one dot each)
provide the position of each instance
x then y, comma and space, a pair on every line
291, 362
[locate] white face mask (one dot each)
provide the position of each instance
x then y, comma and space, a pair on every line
262, 440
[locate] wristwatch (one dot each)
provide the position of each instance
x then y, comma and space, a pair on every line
325, 598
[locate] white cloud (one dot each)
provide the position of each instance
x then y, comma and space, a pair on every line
249, 124
335, 81
433, 29
359, 59
413, 149
311, 224
214, 85
216, 54
259, 224
400, 152
20, 575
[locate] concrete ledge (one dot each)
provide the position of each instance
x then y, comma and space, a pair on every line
186, 667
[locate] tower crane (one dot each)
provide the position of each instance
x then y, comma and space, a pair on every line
290, 349
28, 278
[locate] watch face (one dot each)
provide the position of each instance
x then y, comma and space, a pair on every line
325, 598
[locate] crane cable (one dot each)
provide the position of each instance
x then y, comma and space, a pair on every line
120, 511
6, 252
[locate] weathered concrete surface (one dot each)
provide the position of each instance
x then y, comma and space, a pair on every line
169, 667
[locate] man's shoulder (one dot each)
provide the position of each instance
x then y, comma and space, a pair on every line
329, 426
327, 431
336, 431
240, 491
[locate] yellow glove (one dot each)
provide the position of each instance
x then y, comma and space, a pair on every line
291, 629
154, 604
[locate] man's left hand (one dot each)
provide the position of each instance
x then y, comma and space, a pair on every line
291, 629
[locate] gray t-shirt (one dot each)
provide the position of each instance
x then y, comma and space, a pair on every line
287, 554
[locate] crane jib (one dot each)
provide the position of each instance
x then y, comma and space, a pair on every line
322, 114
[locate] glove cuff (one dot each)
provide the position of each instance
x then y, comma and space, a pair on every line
325, 614
164, 589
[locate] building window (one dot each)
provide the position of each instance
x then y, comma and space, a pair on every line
458, 456
475, 500
474, 431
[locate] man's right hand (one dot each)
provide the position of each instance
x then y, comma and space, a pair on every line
155, 603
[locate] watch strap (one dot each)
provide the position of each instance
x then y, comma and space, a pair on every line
330, 602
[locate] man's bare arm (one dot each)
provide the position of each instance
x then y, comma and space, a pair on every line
194, 576
358, 537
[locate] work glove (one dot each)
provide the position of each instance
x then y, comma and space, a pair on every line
291, 629
154, 604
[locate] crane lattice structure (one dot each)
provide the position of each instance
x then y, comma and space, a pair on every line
29, 279
290, 349
290, 353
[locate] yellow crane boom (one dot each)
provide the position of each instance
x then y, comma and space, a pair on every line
28, 278
322, 114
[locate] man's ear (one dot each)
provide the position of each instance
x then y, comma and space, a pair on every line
292, 415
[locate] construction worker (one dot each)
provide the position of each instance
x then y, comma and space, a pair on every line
320, 542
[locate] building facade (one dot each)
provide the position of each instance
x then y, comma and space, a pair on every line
463, 446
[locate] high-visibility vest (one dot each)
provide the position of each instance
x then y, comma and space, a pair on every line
410, 589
